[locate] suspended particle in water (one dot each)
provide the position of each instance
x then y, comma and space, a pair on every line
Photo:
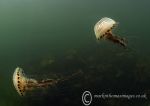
103, 30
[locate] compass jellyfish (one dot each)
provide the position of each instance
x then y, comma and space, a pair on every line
23, 84
103, 30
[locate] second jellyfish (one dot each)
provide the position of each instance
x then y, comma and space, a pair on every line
103, 30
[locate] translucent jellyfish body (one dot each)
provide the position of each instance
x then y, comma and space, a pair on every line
24, 84
103, 30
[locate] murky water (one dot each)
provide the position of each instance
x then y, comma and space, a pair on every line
34, 32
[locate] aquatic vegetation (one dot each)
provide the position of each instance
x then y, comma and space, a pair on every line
103, 30
24, 84
142, 73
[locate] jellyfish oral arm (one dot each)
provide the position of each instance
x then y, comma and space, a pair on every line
45, 83
34, 84
116, 39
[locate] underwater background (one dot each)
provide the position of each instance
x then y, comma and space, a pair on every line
55, 39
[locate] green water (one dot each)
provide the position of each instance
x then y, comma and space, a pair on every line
35, 29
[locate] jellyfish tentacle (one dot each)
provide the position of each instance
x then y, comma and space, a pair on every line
52, 82
116, 39
32, 83
71, 76
46, 83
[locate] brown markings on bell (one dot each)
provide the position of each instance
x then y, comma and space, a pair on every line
18, 73
108, 30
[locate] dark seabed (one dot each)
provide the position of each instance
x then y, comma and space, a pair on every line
55, 39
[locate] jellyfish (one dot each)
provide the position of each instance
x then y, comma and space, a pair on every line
24, 84
103, 30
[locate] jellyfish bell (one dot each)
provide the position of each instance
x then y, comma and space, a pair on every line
103, 26
103, 30
21, 82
